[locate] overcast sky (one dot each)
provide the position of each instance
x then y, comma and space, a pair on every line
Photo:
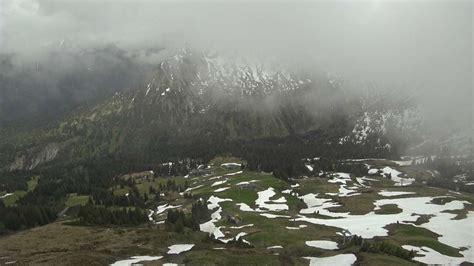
424, 47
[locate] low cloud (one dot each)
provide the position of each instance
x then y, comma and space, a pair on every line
422, 48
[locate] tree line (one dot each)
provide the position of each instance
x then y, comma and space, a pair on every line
24, 216
98, 215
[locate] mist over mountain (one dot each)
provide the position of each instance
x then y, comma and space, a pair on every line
236, 133
420, 49
36, 93
193, 98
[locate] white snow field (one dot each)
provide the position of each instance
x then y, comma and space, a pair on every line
162, 208
373, 171
242, 226
159, 210
396, 177
339, 260
135, 259
215, 177
193, 188
231, 165
209, 226
237, 237
365, 181
179, 248
344, 190
219, 182
453, 232
274, 247
246, 208
246, 182
320, 206
221, 189
430, 256
322, 244
272, 216
6, 195
386, 193
272, 205
296, 228
234, 173
341, 178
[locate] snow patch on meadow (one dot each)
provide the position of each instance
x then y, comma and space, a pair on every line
373, 171
231, 165
234, 173
296, 228
453, 232
370, 225
344, 191
320, 206
210, 226
263, 201
246, 208
272, 216
215, 177
192, 188
246, 182
386, 193
236, 238
164, 207
217, 183
6, 195
396, 176
274, 247
179, 248
242, 226
340, 260
430, 256
322, 244
221, 189
341, 178
365, 181
135, 259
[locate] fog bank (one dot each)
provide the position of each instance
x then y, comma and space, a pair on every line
422, 48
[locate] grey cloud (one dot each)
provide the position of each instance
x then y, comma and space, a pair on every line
423, 48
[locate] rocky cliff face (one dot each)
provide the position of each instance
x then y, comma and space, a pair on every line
34, 157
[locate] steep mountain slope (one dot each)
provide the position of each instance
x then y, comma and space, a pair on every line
196, 102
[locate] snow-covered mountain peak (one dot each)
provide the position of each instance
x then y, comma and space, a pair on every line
205, 73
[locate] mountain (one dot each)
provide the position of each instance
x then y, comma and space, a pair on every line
197, 104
